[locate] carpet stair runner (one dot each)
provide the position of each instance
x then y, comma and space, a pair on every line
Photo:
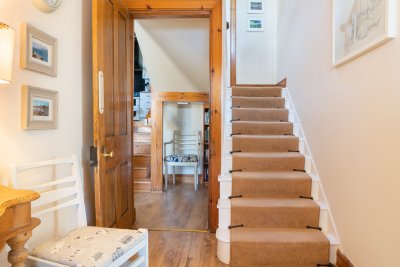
275, 222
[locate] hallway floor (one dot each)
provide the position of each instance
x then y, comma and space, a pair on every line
189, 249
178, 208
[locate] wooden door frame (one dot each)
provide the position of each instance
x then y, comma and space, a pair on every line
157, 104
194, 9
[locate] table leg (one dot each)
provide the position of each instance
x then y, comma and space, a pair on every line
18, 253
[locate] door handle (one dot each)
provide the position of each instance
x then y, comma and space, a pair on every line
110, 155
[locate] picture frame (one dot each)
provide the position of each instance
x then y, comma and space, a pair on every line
360, 26
255, 24
39, 108
256, 6
39, 50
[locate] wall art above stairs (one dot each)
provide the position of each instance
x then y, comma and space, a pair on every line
272, 209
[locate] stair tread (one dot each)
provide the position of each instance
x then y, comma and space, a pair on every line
257, 87
269, 154
278, 235
274, 202
264, 122
271, 175
142, 180
262, 109
258, 97
260, 136
140, 168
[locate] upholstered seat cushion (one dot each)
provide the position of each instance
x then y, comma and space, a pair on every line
89, 246
182, 158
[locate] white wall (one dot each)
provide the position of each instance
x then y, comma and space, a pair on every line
351, 119
73, 133
256, 52
176, 53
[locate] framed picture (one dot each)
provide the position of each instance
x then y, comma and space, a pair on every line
360, 26
39, 108
38, 50
255, 25
256, 7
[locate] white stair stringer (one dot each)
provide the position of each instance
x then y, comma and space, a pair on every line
224, 204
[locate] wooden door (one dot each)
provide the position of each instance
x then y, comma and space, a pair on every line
112, 114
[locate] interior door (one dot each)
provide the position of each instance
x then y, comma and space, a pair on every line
112, 105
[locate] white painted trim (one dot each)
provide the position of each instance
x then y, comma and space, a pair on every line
318, 193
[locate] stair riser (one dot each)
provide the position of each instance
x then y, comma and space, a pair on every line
141, 161
271, 188
246, 144
262, 129
274, 217
279, 254
141, 173
142, 187
142, 148
275, 102
142, 137
268, 164
257, 92
260, 115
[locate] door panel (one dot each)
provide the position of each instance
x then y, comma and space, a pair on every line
112, 128
123, 82
108, 65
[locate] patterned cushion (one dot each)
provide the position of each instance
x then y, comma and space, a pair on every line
182, 158
89, 246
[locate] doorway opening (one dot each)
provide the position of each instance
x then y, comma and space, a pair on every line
172, 63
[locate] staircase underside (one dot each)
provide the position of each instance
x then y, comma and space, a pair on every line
275, 221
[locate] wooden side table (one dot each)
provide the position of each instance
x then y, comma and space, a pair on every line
16, 223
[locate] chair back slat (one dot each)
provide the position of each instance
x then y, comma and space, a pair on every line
71, 203
57, 194
58, 182
186, 142
34, 165
54, 196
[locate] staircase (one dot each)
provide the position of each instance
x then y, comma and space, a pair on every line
271, 215
142, 157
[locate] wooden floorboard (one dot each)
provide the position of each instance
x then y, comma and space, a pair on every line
178, 208
189, 249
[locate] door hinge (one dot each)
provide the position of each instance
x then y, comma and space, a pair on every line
93, 156
227, 25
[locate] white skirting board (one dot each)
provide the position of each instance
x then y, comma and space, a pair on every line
224, 207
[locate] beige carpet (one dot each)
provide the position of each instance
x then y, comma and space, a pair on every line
272, 202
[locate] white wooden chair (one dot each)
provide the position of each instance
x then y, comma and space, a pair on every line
84, 246
186, 152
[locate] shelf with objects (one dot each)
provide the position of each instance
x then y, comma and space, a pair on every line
206, 140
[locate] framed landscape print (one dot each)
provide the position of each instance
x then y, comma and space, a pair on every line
39, 108
38, 50
256, 6
360, 26
255, 25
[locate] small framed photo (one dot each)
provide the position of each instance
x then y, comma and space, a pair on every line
39, 108
256, 7
255, 25
38, 50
